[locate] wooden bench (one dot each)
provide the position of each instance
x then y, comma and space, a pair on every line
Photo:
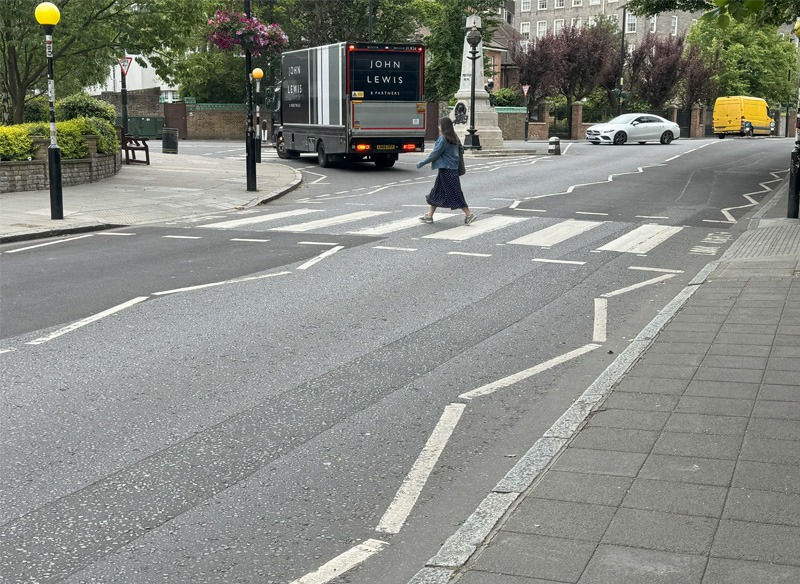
133, 144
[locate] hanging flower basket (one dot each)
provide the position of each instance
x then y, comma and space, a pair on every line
235, 31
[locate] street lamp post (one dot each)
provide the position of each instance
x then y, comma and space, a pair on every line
250, 137
258, 74
472, 140
793, 212
622, 62
47, 15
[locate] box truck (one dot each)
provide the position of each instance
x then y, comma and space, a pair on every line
742, 116
349, 102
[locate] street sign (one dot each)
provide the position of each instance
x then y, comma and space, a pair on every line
125, 64
525, 89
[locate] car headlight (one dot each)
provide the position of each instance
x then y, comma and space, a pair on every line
607, 131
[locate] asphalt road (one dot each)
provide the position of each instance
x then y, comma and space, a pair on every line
295, 380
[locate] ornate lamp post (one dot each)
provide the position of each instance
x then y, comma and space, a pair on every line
472, 140
250, 144
258, 74
47, 15
793, 212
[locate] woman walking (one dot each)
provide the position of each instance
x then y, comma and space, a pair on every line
446, 191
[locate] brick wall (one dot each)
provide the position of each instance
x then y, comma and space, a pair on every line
216, 124
141, 102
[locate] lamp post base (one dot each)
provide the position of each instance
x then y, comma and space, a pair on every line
472, 141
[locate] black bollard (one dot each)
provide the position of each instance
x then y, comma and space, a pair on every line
794, 183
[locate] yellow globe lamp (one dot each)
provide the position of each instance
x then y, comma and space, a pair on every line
258, 73
47, 14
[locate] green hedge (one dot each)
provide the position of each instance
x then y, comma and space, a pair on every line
16, 142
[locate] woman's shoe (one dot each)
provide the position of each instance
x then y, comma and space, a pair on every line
426, 219
469, 219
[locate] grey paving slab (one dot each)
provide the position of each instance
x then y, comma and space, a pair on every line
767, 450
737, 350
630, 565
625, 464
749, 329
784, 340
481, 577
763, 507
700, 445
744, 339
672, 497
565, 519
779, 392
707, 424
728, 374
788, 351
715, 406
688, 469
735, 361
662, 371
782, 377
630, 419
695, 325
784, 364
535, 556
747, 540
779, 410
649, 385
624, 440
581, 487
726, 389
724, 571
671, 359
782, 478
654, 530
775, 429
667, 336
688, 348
654, 402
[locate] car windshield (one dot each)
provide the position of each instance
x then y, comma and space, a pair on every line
623, 119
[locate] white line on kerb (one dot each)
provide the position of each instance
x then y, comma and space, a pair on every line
50, 243
320, 257
85, 321
409, 491
639, 285
600, 320
512, 379
343, 562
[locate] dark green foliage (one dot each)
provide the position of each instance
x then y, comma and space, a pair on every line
81, 105
37, 109
508, 97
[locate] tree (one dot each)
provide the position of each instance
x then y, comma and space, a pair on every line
699, 77
89, 36
655, 67
773, 12
753, 60
535, 62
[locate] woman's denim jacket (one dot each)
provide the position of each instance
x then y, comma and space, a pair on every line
443, 155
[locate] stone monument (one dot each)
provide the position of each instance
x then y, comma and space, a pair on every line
485, 115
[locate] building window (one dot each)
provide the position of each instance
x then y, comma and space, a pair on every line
653, 24
541, 28
525, 6
542, 4
673, 29
577, 3
630, 24
576, 22
558, 24
594, 2
525, 29
560, 3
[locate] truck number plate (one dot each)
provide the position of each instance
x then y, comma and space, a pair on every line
384, 147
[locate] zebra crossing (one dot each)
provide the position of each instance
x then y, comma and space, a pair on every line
639, 239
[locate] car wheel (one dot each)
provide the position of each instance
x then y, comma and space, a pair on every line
322, 157
666, 137
620, 138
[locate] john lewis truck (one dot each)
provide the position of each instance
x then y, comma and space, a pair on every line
350, 102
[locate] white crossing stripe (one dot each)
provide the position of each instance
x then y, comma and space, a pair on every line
331, 221
398, 225
483, 225
557, 233
343, 562
642, 239
260, 219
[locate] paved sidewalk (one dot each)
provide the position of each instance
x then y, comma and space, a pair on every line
681, 464
173, 186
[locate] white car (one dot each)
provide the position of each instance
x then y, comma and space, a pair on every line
639, 128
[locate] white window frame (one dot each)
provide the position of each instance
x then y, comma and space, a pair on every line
630, 24
542, 5
559, 3
577, 22
558, 24
525, 6
576, 3
653, 23
541, 28
673, 28
525, 30
594, 2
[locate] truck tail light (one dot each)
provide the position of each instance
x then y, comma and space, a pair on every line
362, 147
409, 147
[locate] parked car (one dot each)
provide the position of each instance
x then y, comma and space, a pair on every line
639, 128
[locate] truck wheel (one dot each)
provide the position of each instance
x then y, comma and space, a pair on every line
322, 157
283, 153
384, 162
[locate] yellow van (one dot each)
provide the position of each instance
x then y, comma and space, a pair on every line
742, 116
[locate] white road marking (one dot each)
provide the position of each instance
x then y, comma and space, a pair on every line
717, 221
557, 233
530, 372
181, 237
545, 261
395, 248
398, 511
88, 320
50, 243
398, 225
637, 286
11, 350
590, 213
481, 226
330, 221
343, 562
531, 210
320, 257
464, 253
600, 320
260, 219
261, 277
113, 233
326, 243
650, 217
663, 270
249, 240
642, 239
220, 283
